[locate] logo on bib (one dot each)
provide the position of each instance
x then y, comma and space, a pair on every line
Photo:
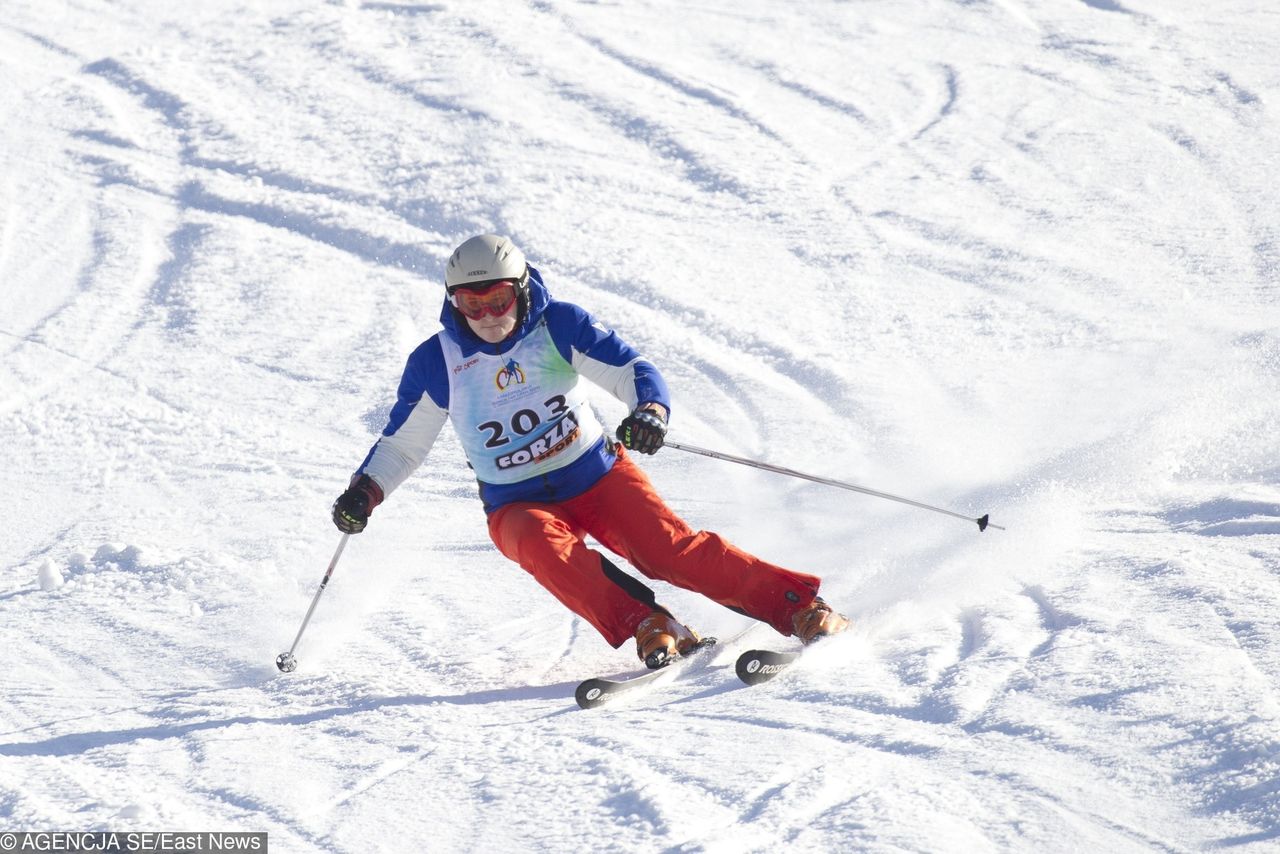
560, 435
511, 373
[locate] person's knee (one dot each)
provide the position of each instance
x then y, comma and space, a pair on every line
533, 538
699, 545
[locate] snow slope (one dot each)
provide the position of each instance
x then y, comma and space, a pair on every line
1007, 256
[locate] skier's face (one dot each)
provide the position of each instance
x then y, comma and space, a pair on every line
490, 309
492, 329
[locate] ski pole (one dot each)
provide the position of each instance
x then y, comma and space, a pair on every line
285, 660
983, 521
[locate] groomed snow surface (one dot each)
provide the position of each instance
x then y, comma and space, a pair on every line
1008, 256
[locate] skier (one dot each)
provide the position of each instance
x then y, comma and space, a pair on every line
506, 370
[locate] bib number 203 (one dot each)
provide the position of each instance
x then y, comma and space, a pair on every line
522, 423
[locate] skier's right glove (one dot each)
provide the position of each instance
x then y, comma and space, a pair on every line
351, 510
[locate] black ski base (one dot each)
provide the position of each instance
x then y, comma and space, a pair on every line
597, 692
760, 665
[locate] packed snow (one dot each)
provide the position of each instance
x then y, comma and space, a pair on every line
1017, 257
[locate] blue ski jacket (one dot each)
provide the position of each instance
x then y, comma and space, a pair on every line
518, 407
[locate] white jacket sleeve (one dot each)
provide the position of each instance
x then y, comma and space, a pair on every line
421, 409
397, 456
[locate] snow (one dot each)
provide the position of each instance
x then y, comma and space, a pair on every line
1017, 257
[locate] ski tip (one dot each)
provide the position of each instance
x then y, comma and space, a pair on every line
589, 694
594, 693
748, 669
760, 665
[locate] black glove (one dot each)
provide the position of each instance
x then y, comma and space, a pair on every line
642, 431
351, 510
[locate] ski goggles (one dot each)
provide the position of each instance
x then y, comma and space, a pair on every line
495, 298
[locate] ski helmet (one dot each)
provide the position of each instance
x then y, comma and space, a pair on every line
483, 259
488, 258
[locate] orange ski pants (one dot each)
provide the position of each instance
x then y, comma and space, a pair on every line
624, 513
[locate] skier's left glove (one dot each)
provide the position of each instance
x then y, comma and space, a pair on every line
351, 510
643, 431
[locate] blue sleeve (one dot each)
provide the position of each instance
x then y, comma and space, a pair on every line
572, 329
424, 373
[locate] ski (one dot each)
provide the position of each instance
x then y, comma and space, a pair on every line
594, 693
760, 665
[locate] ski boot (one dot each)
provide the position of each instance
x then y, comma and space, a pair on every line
661, 638
817, 620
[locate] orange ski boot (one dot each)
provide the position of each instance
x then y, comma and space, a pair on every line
817, 620
661, 638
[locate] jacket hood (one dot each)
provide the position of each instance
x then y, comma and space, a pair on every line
456, 327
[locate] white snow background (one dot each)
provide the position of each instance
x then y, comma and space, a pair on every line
1008, 256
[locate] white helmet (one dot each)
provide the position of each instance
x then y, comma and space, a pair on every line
485, 258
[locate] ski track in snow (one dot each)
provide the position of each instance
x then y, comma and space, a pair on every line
1017, 257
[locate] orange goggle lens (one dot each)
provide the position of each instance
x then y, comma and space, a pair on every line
495, 299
